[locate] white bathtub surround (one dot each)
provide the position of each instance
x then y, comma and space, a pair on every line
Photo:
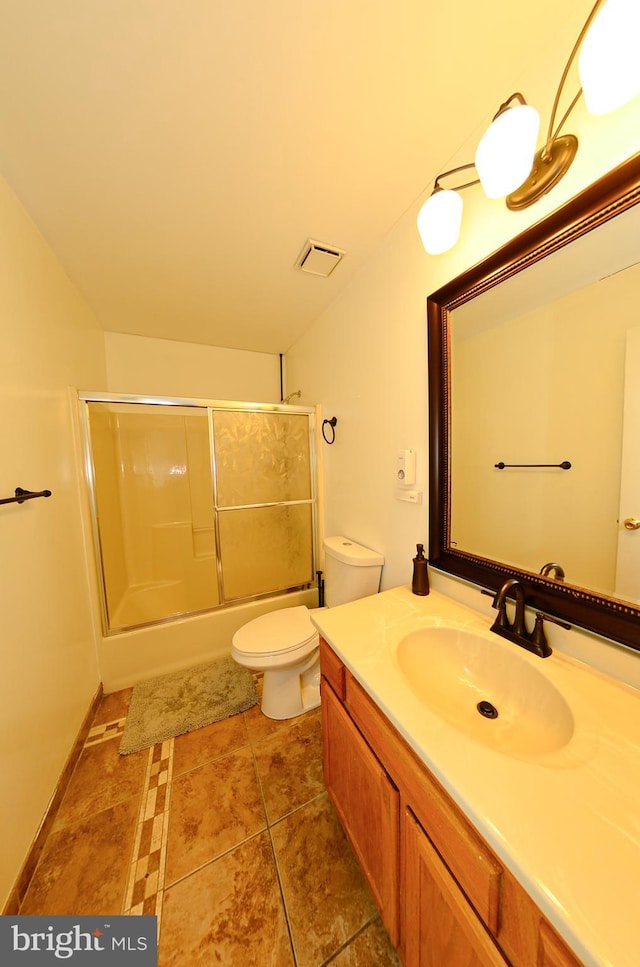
565, 822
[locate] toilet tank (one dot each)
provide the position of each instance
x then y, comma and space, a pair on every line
351, 571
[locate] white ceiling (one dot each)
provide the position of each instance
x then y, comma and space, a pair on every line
176, 154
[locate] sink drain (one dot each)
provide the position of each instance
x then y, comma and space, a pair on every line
488, 710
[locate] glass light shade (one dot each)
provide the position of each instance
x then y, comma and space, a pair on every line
439, 221
505, 154
609, 59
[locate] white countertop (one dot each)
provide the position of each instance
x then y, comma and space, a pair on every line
566, 823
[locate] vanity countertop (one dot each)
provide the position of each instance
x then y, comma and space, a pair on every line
565, 823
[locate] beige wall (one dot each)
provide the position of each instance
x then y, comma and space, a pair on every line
365, 357
160, 367
49, 671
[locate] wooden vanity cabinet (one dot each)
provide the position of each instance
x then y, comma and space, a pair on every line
443, 895
551, 950
367, 804
441, 926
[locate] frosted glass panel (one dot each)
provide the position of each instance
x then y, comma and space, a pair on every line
265, 549
261, 457
154, 499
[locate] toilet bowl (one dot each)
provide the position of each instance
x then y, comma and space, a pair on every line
284, 644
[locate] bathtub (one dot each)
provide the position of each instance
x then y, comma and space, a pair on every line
133, 656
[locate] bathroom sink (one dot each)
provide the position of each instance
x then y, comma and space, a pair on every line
484, 689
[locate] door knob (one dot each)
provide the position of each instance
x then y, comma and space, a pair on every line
632, 523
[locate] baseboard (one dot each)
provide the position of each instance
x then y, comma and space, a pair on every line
17, 895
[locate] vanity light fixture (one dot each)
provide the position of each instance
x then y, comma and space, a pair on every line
506, 160
440, 217
505, 153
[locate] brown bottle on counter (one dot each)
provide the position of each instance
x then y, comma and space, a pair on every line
420, 583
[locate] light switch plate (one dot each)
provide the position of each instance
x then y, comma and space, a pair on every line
412, 496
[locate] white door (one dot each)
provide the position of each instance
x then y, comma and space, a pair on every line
628, 560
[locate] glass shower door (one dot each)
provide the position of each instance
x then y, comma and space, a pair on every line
153, 496
197, 505
264, 501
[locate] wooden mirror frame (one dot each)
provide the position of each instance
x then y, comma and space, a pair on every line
613, 618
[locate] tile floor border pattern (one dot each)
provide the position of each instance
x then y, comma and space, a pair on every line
105, 731
145, 882
145, 885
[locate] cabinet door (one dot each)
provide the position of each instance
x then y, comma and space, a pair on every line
367, 804
551, 950
440, 926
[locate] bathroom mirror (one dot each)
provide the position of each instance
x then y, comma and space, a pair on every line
533, 420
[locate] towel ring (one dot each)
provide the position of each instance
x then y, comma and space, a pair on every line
332, 423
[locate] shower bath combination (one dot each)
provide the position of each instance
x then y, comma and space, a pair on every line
197, 505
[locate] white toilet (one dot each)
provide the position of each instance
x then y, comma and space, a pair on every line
284, 644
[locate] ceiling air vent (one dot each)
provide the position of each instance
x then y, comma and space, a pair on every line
318, 259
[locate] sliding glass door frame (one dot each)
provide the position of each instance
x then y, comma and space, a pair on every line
86, 397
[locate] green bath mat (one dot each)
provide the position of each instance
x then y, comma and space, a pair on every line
186, 700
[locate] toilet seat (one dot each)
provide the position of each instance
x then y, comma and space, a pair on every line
276, 633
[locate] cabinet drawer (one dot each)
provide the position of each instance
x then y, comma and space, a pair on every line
332, 669
475, 868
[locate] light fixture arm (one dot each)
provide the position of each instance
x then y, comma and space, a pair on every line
452, 171
551, 137
551, 134
516, 96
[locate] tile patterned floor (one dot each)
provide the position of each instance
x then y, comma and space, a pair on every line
226, 834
